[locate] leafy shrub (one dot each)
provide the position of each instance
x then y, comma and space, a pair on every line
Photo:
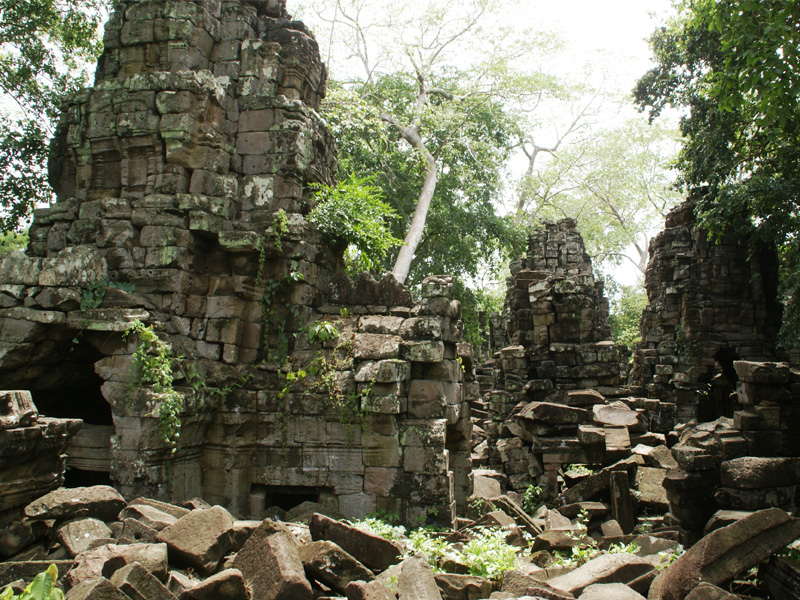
353, 213
43, 587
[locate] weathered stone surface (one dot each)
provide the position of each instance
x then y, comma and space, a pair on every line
328, 564
200, 539
225, 585
556, 414
78, 535
96, 589
616, 414
371, 550
416, 581
151, 516
517, 583
271, 566
101, 502
107, 559
609, 591
707, 591
723, 553
19, 534
373, 590
138, 583
607, 568
751, 472
16, 409
463, 587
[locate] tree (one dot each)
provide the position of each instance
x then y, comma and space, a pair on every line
615, 183
43, 46
434, 91
733, 67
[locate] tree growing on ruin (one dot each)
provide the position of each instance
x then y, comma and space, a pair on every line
734, 69
43, 46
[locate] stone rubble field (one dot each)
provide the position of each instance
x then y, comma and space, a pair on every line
108, 549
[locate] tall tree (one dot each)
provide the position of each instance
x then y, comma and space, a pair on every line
434, 80
44, 45
734, 69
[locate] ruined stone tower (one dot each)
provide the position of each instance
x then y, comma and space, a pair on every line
182, 180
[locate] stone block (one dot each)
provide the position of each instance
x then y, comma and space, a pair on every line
200, 539
138, 583
374, 346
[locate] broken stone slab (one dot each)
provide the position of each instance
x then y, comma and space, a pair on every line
722, 518
154, 518
107, 559
373, 590
170, 509
582, 398
707, 591
270, 564
95, 589
138, 583
225, 585
551, 540
752, 472
650, 483
331, 566
554, 414
100, 502
517, 584
610, 591
514, 510
178, 582
464, 587
588, 487
591, 509
486, 487
136, 531
606, 568
738, 499
762, 372
726, 552
373, 551
200, 539
19, 534
80, 534
416, 581
616, 414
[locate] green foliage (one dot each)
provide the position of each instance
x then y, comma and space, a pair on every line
732, 67
353, 214
43, 46
627, 304
153, 361
381, 525
13, 241
431, 542
583, 553
488, 555
41, 588
532, 499
322, 331
578, 469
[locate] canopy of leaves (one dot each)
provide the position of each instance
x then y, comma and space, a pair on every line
353, 213
470, 136
43, 45
733, 68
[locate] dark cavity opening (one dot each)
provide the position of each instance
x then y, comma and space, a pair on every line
285, 497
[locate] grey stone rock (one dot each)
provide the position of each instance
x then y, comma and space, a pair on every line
606, 568
225, 585
331, 566
200, 539
138, 583
101, 502
373, 551
416, 581
95, 589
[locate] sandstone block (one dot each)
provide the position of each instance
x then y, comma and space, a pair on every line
752, 472
416, 581
200, 539
375, 552
607, 568
107, 559
225, 585
77, 536
96, 589
328, 564
101, 501
138, 583
271, 566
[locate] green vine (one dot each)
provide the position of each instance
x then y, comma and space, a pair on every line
153, 361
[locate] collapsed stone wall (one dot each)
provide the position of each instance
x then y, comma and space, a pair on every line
710, 303
182, 180
547, 407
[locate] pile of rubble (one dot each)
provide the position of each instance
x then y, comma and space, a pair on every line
105, 547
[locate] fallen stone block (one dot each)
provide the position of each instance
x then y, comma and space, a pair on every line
464, 587
331, 566
270, 564
782, 577
373, 590
225, 585
79, 535
153, 517
416, 581
610, 591
170, 509
707, 591
96, 589
726, 552
100, 502
107, 559
373, 551
200, 539
19, 534
138, 583
516, 583
606, 568
752, 472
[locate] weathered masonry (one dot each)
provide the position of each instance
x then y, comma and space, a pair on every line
183, 179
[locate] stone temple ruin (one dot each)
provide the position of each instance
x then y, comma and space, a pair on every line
179, 238
182, 181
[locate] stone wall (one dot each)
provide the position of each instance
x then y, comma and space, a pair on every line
183, 179
559, 363
709, 305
